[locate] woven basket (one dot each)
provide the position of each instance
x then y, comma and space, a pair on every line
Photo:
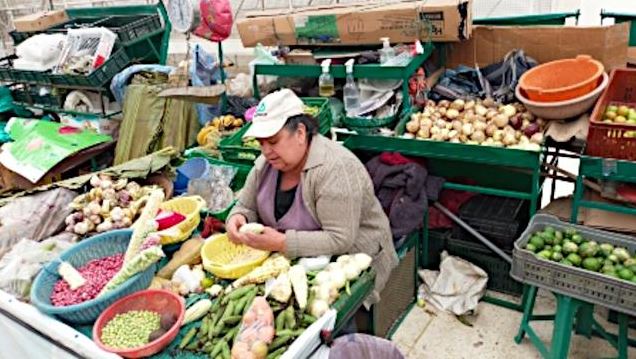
227, 260
190, 207
99, 246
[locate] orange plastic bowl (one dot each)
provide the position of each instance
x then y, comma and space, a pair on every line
562, 80
160, 301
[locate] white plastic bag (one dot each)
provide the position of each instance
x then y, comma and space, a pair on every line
263, 57
456, 288
39, 52
19, 267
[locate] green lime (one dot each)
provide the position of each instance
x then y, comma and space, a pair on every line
545, 254
207, 282
566, 262
591, 264
537, 242
625, 274
556, 256
577, 238
574, 259
531, 247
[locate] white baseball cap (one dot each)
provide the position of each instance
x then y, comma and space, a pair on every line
272, 113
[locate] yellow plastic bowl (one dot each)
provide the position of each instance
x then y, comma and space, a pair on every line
227, 260
190, 207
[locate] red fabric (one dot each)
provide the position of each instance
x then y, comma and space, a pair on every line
396, 158
68, 130
216, 20
167, 219
452, 200
212, 225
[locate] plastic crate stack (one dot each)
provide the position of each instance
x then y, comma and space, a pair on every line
141, 37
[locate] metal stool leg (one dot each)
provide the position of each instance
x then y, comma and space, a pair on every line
529, 297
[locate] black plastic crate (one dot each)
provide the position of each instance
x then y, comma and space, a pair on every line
497, 268
499, 219
437, 242
31, 97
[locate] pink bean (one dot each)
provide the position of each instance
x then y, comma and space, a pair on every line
97, 273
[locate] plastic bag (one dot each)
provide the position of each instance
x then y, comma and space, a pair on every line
256, 331
263, 57
363, 346
215, 188
19, 267
40, 52
240, 86
204, 72
216, 20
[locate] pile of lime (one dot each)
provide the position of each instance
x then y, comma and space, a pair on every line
568, 247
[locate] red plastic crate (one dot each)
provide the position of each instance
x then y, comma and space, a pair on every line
611, 140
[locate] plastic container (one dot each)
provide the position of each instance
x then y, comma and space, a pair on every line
351, 93
160, 301
326, 87
218, 252
190, 207
191, 169
498, 269
561, 110
613, 140
99, 246
582, 284
386, 52
562, 80
370, 126
500, 219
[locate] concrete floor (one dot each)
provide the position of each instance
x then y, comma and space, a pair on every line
427, 333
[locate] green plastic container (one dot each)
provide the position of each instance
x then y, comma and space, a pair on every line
369, 126
232, 147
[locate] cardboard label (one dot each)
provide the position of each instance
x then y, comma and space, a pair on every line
320, 27
433, 19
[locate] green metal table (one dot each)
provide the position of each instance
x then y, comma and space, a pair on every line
505, 172
572, 312
623, 17
530, 20
369, 71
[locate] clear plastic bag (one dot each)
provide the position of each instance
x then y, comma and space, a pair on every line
215, 187
256, 331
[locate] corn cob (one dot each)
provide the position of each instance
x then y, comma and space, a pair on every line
271, 268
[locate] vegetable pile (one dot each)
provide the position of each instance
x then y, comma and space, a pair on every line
570, 248
620, 114
108, 205
96, 272
478, 122
210, 134
260, 314
132, 329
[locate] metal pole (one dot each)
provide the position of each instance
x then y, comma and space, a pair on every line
470, 230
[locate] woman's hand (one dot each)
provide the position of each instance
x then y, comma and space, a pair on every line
233, 225
270, 240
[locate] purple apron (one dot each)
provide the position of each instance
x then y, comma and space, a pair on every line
297, 217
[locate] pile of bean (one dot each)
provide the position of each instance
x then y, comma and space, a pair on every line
131, 329
97, 273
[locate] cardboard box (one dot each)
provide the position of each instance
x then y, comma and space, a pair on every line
359, 24
489, 44
40, 21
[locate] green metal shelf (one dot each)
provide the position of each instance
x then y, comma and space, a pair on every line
530, 20
370, 71
623, 17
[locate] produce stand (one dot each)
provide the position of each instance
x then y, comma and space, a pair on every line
576, 291
370, 71
143, 36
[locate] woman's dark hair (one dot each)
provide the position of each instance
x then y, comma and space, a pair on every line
311, 125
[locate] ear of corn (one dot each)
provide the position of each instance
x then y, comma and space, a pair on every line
197, 311
271, 268
298, 278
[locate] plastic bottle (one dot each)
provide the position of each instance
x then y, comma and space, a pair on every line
386, 52
326, 87
351, 92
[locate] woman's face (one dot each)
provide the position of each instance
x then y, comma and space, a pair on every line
285, 150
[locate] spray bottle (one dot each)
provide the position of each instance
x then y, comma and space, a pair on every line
351, 92
326, 87
386, 52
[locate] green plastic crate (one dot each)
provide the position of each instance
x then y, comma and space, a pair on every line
232, 147
369, 126
32, 97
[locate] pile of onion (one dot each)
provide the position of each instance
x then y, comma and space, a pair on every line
478, 122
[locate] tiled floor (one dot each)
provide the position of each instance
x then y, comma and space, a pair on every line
440, 335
